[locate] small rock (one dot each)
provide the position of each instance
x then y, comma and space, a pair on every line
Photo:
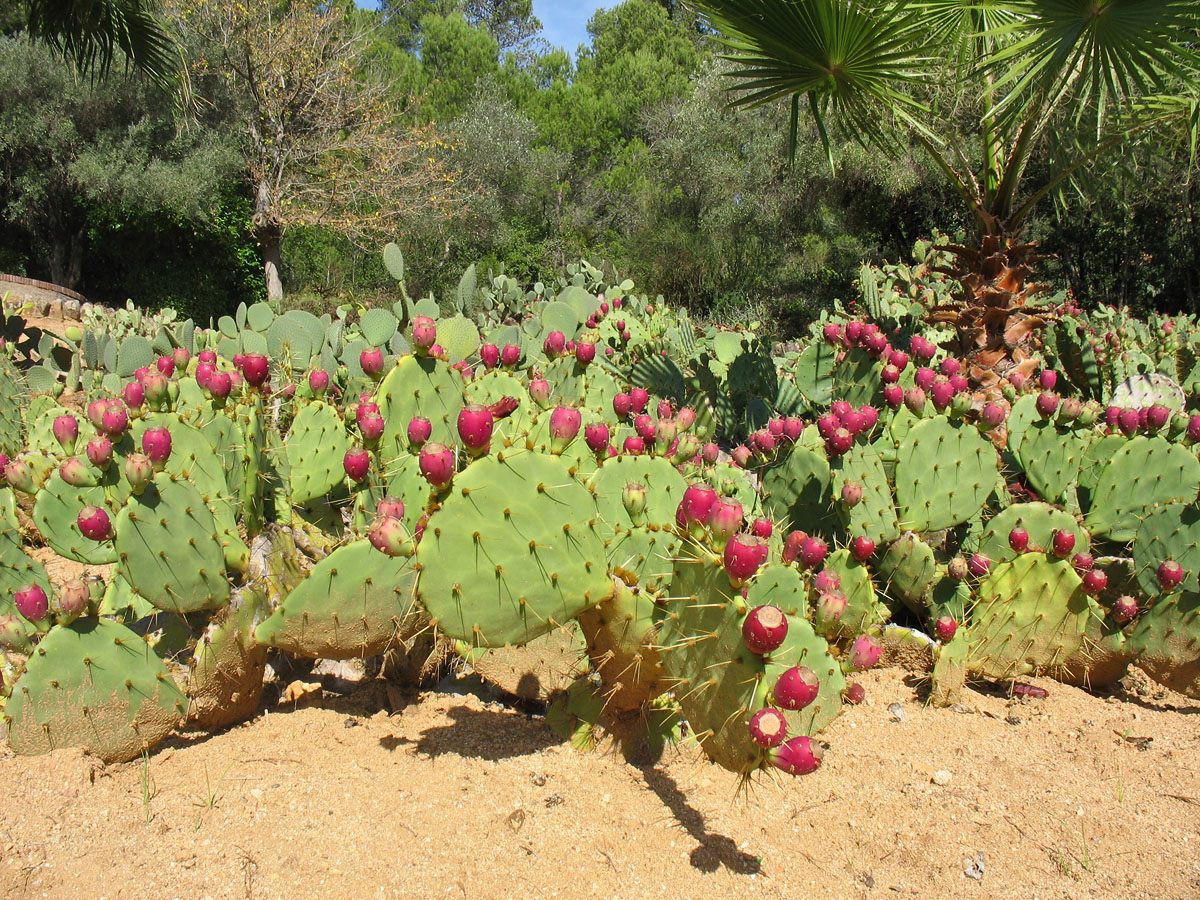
941, 778
897, 712
973, 868
256, 793
1014, 720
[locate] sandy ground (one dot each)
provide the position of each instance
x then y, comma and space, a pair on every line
1072, 796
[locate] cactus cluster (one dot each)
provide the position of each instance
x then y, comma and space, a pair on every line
580, 491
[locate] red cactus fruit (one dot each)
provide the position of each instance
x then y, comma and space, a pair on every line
1170, 574
799, 755
744, 555
596, 435
357, 463
31, 602
864, 652
1094, 582
371, 362
979, 564
1018, 539
813, 552
768, 728
390, 508
1062, 543
419, 430
437, 464
765, 627
94, 523
862, 548
66, 432
945, 628
796, 688
475, 425
1125, 609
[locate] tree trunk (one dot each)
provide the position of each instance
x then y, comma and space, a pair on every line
269, 240
66, 260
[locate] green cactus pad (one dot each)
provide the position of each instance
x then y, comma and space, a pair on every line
495, 386
315, 450
1041, 520
781, 585
16, 571
93, 684
458, 336
863, 609
797, 492
419, 386
856, 378
719, 683
1146, 472
908, 570
1050, 456
377, 326
1095, 459
874, 516
537, 670
945, 472
621, 633
356, 602
950, 670
12, 398
1165, 642
169, 547
56, 510
1031, 616
1171, 531
515, 550
664, 489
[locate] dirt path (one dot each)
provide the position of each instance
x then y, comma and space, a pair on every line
1074, 796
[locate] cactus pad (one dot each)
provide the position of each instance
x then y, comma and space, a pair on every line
1145, 472
944, 474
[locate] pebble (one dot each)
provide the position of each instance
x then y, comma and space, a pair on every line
897, 712
941, 777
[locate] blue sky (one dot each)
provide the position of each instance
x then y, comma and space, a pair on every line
564, 22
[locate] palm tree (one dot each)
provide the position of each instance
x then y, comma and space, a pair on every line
1067, 80
91, 32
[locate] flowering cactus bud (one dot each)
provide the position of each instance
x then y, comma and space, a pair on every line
66, 432
475, 425
437, 464
31, 602
744, 555
19, 476
830, 607
685, 419
633, 496
357, 463
799, 755
767, 728
139, 471
94, 523
181, 358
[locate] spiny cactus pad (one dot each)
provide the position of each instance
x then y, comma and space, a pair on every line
1040, 520
1165, 642
356, 602
93, 684
944, 474
1031, 616
873, 516
514, 551
1145, 472
1171, 531
315, 448
419, 386
720, 684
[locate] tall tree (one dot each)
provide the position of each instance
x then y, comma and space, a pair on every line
322, 142
1070, 80
511, 23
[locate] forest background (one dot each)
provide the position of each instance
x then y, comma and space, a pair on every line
309, 135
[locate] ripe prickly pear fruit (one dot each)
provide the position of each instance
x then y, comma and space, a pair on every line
742, 455
639, 397
100, 452
864, 653
793, 427
950, 367
697, 504
165, 365
75, 473
489, 355
1129, 421
796, 688
914, 399
685, 419
371, 427
744, 555
1125, 609
941, 393
255, 369
539, 390
830, 607
220, 384
585, 352
979, 564
31, 602
924, 378
1083, 562
138, 471
768, 728
66, 432
622, 405
1047, 379
1018, 539
792, 544
318, 382
115, 420
862, 548
1047, 404
840, 442
207, 356
1062, 543
390, 508
1170, 574
1156, 417
419, 429
156, 444
1193, 429
852, 494
1094, 582
19, 476
813, 553
945, 628
825, 581
855, 693
832, 335
390, 536
564, 426
134, 393
475, 425
724, 520
596, 435
510, 355
555, 344
762, 528
799, 755
633, 445
424, 335
94, 523
181, 358
437, 464
992, 415
357, 463
893, 396
765, 627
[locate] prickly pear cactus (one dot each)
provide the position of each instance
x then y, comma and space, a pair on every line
93, 684
945, 472
315, 448
1165, 642
1169, 532
1147, 471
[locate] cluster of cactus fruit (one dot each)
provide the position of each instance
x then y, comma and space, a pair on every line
566, 484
